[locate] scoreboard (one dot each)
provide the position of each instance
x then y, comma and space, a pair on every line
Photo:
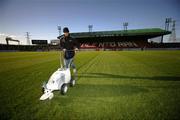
39, 42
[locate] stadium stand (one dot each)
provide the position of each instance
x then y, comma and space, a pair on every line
105, 40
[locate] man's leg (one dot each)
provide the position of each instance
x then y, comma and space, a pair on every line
74, 70
67, 63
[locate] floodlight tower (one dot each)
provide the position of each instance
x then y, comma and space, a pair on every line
59, 29
28, 38
90, 28
172, 37
167, 23
125, 24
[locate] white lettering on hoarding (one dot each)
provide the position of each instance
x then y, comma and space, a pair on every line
110, 44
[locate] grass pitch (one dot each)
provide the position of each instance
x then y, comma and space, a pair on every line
111, 85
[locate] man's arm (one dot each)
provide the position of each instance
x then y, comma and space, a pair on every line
76, 44
62, 45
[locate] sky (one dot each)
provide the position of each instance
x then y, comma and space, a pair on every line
41, 17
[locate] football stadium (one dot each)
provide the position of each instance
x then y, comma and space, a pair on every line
136, 39
111, 72
120, 76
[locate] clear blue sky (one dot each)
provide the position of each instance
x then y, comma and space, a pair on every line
41, 17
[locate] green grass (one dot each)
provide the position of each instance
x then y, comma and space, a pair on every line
111, 85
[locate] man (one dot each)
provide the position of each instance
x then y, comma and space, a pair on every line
69, 46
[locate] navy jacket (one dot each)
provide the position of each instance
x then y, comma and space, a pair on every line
69, 44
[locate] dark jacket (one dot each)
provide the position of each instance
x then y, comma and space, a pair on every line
69, 44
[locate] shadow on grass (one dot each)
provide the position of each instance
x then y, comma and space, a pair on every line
99, 90
107, 75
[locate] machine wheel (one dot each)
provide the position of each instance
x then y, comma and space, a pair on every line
72, 82
64, 89
42, 90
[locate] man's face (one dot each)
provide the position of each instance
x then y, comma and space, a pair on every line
66, 34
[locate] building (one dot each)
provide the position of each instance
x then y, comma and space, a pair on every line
104, 40
55, 42
118, 39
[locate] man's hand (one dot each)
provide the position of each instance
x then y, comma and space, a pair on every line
76, 49
64, 50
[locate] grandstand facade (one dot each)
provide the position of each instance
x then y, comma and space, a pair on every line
118, 39
105, 40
